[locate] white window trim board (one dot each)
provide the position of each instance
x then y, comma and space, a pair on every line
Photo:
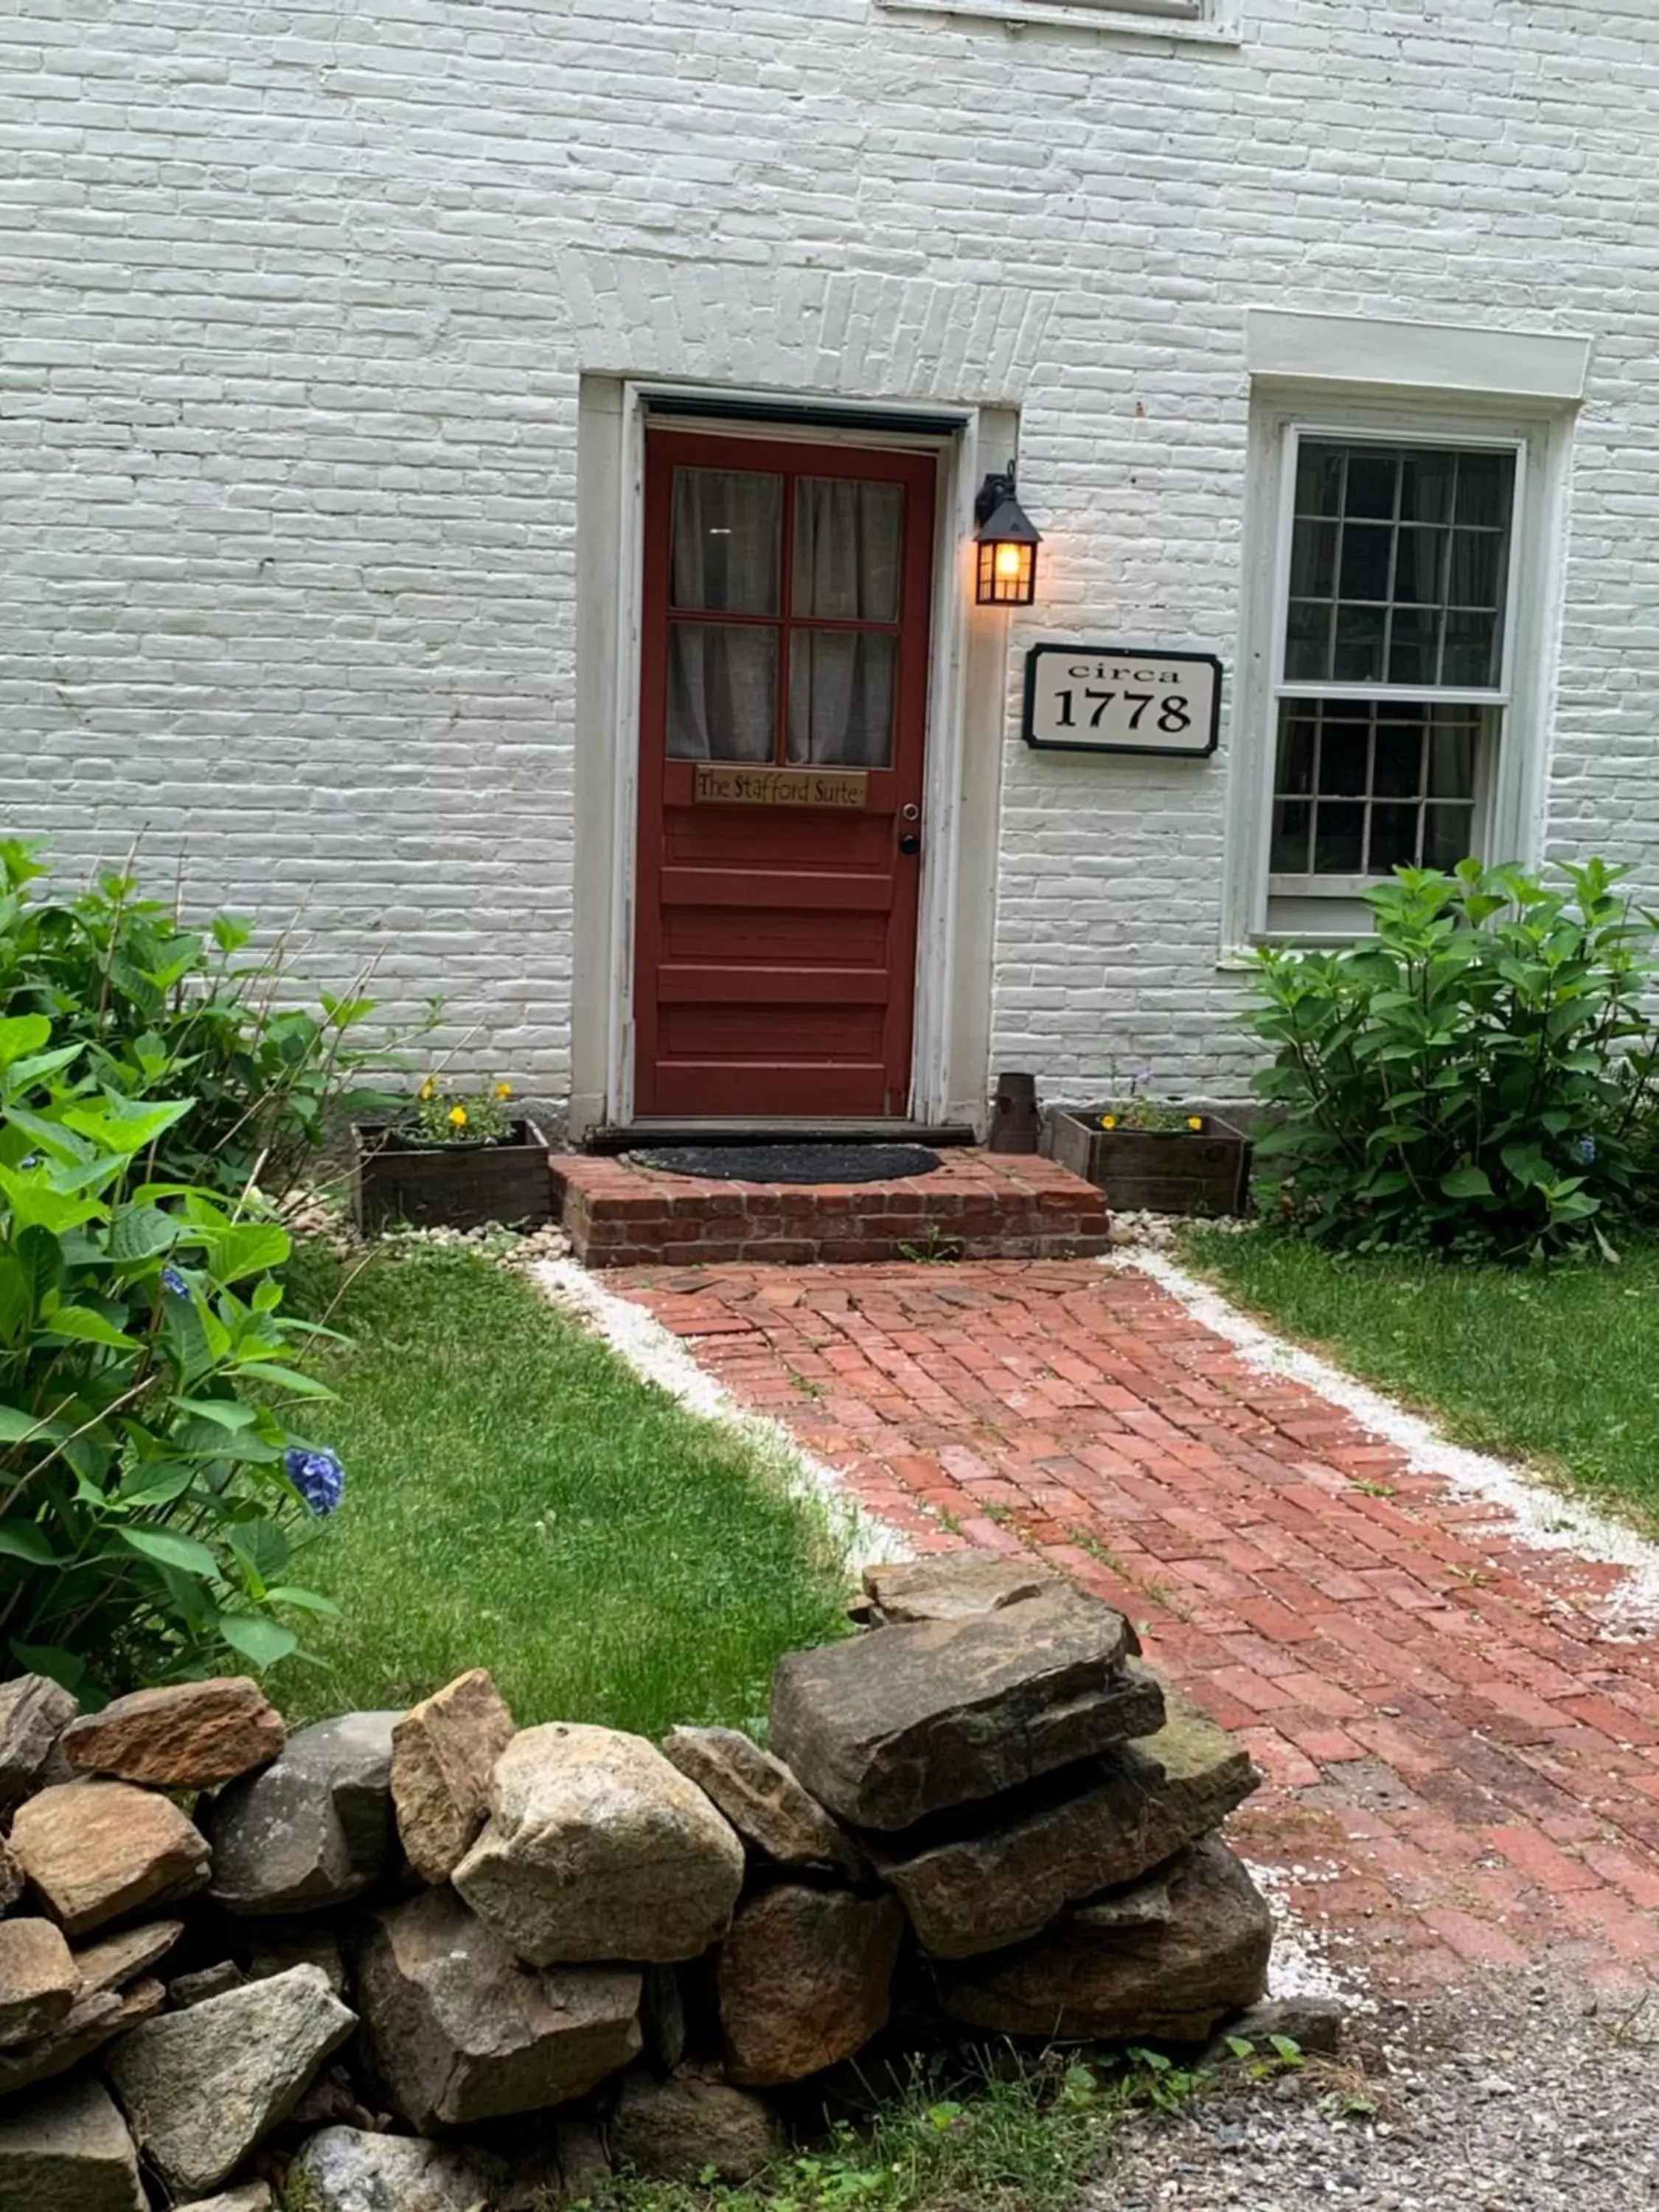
1429, 358
1514, 822
1201, 23
1501, 699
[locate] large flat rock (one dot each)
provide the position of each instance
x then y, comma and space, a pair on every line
461, 2030
804, 1980
96, 1851
202, 2088
184, 1735
951, 1586
314, 1829
889, 1727
997, 1879
443, 1755
1164, 1965
68, 2150
762, 1799
597, 1848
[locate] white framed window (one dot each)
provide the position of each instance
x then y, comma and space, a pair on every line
1398, 651
1210, 20
1393, 654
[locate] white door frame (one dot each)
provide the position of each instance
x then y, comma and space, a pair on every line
967, 660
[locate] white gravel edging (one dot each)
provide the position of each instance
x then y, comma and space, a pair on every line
1301, 1965
1523, 1508
657, 1355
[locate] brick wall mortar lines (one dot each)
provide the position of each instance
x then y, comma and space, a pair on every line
295, 310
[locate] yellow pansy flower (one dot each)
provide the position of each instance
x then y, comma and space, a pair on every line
503, 1090
1108, 1121
1194, 1121
457, 1117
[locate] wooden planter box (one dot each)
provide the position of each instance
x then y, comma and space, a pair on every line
1198, 1171
451, 1185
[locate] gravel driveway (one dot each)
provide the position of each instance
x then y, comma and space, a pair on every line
1515, 2098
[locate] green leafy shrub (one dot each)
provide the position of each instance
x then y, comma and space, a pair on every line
1478, 1077
147, 1487
156, 1006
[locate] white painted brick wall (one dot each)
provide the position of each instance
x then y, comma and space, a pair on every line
293, 302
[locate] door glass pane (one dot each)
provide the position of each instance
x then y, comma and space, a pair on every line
728, 531
722, 691
841, 698
849, 545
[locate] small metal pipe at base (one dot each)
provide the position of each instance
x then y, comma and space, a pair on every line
1016, 1117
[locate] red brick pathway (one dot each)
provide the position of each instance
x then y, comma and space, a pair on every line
1463, 1769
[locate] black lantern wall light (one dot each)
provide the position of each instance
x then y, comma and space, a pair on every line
1006, 546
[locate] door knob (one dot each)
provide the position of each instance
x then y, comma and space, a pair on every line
909, 841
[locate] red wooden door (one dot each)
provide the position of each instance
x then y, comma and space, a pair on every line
783, 719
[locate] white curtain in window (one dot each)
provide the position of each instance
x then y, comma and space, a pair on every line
722, 691
841, 698
728, 529
723, 677
848, 548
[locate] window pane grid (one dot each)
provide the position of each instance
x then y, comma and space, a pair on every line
784, 618
1399, 566
1362, 787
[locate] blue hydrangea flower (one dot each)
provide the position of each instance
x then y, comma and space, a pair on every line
317, 1476
174, 1281
1585, 1149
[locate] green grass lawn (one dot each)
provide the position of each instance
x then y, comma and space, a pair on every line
1555, 1365
518, 1499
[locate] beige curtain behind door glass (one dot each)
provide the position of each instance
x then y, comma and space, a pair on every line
723, 677
848, 555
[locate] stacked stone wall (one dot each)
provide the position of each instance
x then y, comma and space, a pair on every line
432, 1945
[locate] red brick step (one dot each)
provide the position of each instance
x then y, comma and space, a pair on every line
974, 1206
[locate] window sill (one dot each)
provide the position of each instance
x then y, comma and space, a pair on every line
1241, 959
1014, 15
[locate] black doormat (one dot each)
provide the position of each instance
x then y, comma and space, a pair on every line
793, 1163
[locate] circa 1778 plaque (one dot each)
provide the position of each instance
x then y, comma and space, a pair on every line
729, 783
1120, 699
